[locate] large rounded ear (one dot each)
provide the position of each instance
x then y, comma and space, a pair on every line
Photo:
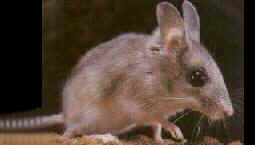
170, 24
191, 21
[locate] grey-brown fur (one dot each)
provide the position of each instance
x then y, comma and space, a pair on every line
139, 79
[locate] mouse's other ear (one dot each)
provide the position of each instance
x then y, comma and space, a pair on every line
170, 25
191, 21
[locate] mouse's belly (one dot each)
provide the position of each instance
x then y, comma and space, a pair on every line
113, 125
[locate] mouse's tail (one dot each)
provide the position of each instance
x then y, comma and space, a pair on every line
9, 124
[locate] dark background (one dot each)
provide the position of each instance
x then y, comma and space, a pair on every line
71, 28
21, 57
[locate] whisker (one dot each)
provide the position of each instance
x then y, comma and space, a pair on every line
237, 92
238, 89
146, 105
225, 129
184, 114
237, 119
237, 108
237, 105
237, 96
196, 126
237, 102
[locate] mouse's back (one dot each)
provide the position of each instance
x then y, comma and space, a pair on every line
106, 68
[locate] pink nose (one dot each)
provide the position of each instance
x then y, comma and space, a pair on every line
229, 112
227, 107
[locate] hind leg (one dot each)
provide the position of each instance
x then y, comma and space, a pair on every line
157, 128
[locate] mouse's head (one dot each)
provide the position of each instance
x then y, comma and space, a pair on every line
199, 80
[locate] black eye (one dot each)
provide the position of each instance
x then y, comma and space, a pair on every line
197, 77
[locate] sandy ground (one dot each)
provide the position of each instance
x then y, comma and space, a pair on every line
54, 139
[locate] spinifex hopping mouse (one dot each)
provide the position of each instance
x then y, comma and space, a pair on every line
142, 80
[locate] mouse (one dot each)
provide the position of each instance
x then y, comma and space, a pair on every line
140, 79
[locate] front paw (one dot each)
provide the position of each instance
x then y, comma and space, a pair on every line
174, 130
176, 133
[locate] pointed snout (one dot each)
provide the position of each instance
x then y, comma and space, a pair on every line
226, 106
228, 111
